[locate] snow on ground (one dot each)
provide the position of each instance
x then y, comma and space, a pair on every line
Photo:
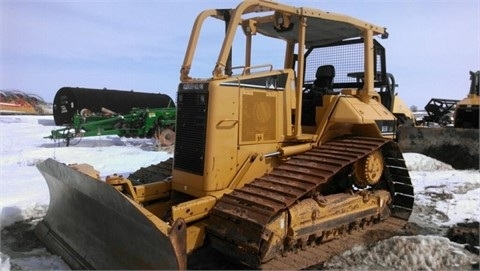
405, 253
454, 195
443, 197
23, 189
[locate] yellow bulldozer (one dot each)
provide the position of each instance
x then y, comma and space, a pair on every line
282, 159
392, 101
467, 112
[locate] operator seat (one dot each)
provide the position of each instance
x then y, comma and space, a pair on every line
324, 78
313, 97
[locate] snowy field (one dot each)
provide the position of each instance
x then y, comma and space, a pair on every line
443, 197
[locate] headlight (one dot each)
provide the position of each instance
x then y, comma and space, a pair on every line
387, 127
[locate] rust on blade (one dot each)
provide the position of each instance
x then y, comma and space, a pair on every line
178, 238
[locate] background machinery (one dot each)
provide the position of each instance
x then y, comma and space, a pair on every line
439, 112
457, 113
14, 102
158, 123
467, 110
455, 137
69, 101
270, 162
392, 101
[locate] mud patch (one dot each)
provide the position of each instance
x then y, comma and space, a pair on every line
457, 156
439, 196
466, 233
20, 237
463, 189
22, 250
428, 216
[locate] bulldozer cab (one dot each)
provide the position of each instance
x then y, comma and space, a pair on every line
267, 37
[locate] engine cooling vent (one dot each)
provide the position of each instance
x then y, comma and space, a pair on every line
258, 121
191, 130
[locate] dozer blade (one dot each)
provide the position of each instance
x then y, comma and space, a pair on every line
93, 226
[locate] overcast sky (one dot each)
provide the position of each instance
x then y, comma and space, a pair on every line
140, 45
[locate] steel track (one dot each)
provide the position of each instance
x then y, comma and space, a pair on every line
238, 220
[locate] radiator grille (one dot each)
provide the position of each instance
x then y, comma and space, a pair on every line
192, 106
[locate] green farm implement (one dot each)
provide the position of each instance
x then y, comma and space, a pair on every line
142, 123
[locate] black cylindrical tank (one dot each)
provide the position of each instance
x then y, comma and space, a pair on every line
71, 100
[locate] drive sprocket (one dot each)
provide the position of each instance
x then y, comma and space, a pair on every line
368, 170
